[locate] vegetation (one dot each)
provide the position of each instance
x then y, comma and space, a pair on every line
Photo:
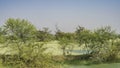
100, 43
27, 46
21, 39
2, 38
65, 41
44, 35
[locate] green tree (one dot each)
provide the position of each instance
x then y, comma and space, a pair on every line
103, 44
24, 51
98, 43
84, 37
65, 40
17, 32
21, 30
44, 35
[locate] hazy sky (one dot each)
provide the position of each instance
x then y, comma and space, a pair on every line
67, 14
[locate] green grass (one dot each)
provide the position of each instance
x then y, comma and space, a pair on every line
113, 65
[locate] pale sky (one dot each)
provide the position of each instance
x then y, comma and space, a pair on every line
67, 14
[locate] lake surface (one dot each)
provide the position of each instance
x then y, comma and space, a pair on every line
111, 65
79, 51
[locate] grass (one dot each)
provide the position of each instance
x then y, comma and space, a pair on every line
113, 65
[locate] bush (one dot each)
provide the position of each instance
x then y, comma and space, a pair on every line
31, 55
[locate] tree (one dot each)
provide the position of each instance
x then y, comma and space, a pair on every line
84, 37
44, 35
18, 32
65, 40
98, 43
21, 30
104, 47
24, 50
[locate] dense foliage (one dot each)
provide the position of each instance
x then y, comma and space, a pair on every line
100, 43
44, 35
24, 49
26, 44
